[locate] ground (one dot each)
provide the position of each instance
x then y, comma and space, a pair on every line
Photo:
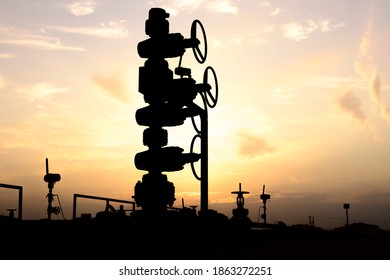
124, 239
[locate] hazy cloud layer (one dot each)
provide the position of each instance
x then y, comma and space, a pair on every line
349, 103
40, 91
114, 85
5, 55
19, 37
111, 30
252, 145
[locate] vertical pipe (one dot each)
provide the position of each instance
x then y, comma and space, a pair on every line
74, 205
346, 211
49, 200
47, 166
204, 166
20, 212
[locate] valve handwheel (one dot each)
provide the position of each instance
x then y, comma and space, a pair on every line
191, 151
211, 99
199, 56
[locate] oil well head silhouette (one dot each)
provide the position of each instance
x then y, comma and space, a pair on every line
170, 102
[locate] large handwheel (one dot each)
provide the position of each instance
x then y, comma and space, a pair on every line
199, 56
211, 99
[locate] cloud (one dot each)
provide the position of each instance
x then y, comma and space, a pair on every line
252, 146
82, 8
14, 36
364, 65
376, 137
222, 6
265, 4
174, 7
5, 55
216, 42
385, 111
115, 85
349, 103
40, 91
181, 194
275, 12
368, 75
365, 68
111, 30
375, 86
268, 28
327, 26
255, 39
236, 41
299, 31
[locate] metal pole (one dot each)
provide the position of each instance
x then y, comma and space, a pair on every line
346, 207
74, 206
204, 166
47, 166
20, 204
50, 194
50, 200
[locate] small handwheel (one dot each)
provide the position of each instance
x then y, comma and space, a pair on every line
204, 109
191, 151
211, 99
199, 56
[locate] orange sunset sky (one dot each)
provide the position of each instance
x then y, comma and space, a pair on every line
304, 104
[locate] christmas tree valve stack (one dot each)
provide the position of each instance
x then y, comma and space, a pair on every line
170, 102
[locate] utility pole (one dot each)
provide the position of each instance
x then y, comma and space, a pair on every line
346, 207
